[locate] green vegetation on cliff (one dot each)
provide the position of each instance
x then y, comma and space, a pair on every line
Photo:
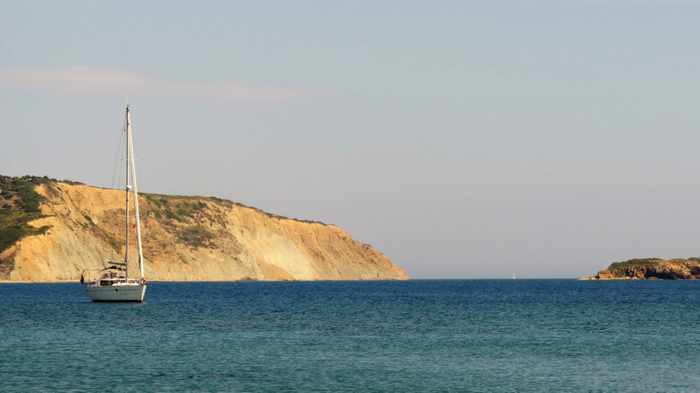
634, 264
177, 207
19, 204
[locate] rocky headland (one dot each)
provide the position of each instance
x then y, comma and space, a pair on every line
53, 230
651, 269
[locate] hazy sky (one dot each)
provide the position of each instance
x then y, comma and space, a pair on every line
462, 138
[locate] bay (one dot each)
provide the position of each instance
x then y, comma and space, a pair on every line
381, 336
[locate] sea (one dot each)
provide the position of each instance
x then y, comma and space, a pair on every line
382, 336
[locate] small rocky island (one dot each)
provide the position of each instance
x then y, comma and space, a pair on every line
651, 269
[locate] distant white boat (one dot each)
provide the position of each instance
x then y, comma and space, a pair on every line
113, 283
514, 278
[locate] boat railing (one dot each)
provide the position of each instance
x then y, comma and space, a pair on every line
113, 271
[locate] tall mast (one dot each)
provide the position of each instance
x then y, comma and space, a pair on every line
126, 193
130, 143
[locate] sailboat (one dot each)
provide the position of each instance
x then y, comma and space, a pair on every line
113, 283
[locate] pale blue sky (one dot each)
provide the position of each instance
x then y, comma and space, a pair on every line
463, 139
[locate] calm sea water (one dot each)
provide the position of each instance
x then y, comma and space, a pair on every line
416, 336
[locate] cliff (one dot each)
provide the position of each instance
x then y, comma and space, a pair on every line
53, 230
651, 269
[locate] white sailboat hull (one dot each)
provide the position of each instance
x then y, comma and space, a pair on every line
117, 293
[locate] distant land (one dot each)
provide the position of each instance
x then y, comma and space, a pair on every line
651, 269
53, 230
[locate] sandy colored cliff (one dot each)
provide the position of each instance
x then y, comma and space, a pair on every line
78, 227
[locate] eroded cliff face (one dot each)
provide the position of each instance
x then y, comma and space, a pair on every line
184, 238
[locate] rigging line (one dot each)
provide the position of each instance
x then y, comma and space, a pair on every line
117, 161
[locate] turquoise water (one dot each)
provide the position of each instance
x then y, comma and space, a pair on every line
416, 336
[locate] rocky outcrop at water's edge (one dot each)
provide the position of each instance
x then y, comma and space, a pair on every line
650, 269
